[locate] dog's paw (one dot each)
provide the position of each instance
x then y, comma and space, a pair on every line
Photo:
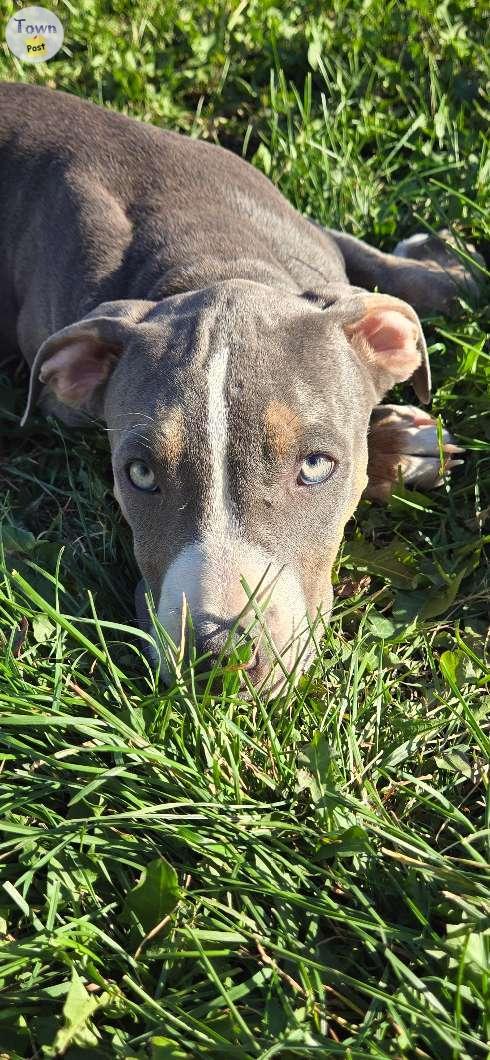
441, 250
404, 439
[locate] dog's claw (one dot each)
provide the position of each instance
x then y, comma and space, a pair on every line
403, 439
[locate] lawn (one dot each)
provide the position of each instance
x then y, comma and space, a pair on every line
187, 875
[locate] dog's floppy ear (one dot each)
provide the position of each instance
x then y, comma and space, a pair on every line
388, 337
75, 362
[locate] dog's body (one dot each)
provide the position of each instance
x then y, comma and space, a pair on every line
165, 285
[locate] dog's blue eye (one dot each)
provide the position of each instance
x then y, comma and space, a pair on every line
141, 476
316, 468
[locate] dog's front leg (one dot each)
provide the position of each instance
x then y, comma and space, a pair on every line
404, 440
424, 270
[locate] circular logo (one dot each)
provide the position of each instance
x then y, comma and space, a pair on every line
34, 34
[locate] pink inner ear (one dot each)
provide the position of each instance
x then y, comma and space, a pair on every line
392, 339
77, 369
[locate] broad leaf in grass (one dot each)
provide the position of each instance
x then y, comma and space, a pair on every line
15, 540
315, 50
438, 600
410, 503
78, 1009
262, 159
42, 629
316, 766
318, 773
456, 761
408, 606
469, 947
155, 895
394, 563
452, 666
165, 1049
317, 756
353, 840
380, 626
430, 603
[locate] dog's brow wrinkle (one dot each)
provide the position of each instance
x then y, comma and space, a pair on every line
308, 265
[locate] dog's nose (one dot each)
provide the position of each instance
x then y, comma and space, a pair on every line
233, 650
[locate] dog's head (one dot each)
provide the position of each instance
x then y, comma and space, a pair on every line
238, 419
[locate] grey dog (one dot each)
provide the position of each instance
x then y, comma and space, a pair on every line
233, 348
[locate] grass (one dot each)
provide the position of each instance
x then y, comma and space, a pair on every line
186, 875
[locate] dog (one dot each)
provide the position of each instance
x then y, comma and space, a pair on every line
236, 351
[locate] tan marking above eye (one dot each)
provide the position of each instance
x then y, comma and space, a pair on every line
171, 434
282, 426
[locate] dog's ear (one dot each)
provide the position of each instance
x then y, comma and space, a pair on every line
388, 337
76, 362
